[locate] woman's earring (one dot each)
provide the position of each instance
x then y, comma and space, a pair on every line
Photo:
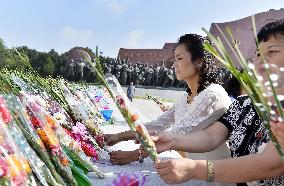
198, 64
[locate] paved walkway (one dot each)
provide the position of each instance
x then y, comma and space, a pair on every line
148, 110
158, 92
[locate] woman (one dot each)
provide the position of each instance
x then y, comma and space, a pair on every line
255, 160
204, 102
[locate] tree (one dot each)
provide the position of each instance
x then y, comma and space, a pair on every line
2, 53
48, 67
98, 64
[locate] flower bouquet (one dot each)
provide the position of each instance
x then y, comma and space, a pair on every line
37, 108
78, 132
101, 102
23, 121
72, 146
95, 118
14, 168
99, 99
44, 130
131, 116
59, 112
84, 115
80, 108
264, 88
38, 166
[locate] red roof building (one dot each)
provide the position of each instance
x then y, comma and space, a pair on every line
150, 56
241, 29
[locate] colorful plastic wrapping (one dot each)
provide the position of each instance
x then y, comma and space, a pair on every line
71, 124
131, 116
41, 171
43, 124
86, 120
14, 168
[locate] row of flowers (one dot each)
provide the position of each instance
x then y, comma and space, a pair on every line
50, 130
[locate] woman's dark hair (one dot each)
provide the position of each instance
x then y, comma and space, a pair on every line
231, 83
272, 28
207, 71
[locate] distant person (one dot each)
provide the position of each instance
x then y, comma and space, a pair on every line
131, 91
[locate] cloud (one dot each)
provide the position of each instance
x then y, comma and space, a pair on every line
133, 39
77, 36
115, 6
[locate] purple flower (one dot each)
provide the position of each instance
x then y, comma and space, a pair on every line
129, 179
98, 98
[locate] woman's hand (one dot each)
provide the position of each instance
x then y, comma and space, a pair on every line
123, 157
278, 131
176, 170
112, 139
164, 108
163, 142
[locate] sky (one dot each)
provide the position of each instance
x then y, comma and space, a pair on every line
113, 24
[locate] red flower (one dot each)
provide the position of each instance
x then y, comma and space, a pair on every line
56, 150
133, 182
5, 113
89, 149
139, 128
120, 101
100, 139
67, 132
36, 122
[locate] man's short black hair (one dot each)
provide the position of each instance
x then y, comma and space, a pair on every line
272, 28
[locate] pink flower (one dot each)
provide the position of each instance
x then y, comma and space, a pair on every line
3, 168
105, 107
79, 131
8, 147
129, 179
5, 113
34, 106
20, 179
56, 150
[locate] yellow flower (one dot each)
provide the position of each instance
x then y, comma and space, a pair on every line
47, 136
17, 165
